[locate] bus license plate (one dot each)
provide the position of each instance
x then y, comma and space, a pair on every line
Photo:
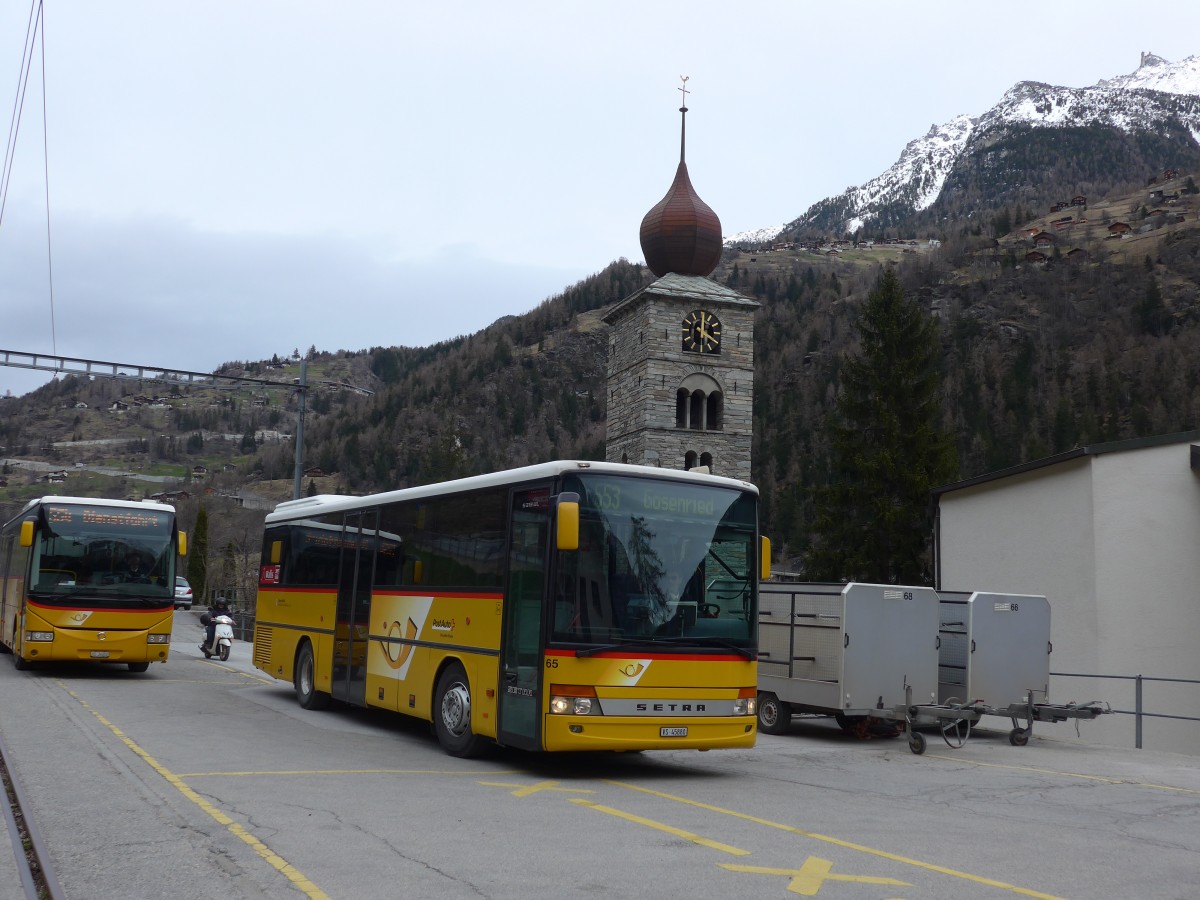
672, 732
99, 654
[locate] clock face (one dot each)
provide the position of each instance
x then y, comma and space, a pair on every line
701, 332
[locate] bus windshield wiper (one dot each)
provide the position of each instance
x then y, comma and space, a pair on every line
710, 641
703, 641
623, 645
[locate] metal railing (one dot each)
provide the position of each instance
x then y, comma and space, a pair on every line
1138, 712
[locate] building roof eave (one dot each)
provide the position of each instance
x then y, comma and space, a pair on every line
1141, 443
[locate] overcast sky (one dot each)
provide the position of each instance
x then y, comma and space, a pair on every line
230, 180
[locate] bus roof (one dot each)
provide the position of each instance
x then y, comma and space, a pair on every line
90, 501
327, 503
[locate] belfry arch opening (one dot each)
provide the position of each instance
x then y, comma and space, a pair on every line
699, 403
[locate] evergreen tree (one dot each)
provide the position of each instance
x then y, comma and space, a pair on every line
873, 520
197, 561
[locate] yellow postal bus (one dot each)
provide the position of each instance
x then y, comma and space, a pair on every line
562, 606
88, 580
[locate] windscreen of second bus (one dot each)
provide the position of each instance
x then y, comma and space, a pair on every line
657, 559
85, 551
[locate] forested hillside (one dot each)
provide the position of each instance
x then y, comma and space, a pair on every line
1038, 357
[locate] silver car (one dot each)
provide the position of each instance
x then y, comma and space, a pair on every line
183, 593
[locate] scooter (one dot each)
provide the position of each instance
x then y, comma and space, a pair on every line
222, 637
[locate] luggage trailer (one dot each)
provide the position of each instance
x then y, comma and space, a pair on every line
853, 651
868, 651
994, 657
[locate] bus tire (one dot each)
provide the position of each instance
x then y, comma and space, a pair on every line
20, 663
305, 680
774, 715
452, 714
138, 667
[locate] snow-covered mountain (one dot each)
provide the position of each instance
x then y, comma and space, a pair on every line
1157, 93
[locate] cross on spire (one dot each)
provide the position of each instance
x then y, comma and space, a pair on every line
683, 115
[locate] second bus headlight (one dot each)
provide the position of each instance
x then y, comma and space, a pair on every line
573, 700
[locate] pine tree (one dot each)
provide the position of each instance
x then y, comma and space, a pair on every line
873, 520
197, 561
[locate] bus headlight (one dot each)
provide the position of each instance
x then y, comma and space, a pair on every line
31, 636
158, 639
747, 702
573, 700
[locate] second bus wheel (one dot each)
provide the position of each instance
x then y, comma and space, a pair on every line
452, 714
305, 680
774, 715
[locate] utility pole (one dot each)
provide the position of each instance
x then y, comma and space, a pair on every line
301, 396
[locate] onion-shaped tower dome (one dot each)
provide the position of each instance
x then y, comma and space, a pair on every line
681, 234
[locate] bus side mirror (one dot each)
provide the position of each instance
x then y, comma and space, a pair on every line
183, 543
276, 552
764, 559
568, 523
27, 533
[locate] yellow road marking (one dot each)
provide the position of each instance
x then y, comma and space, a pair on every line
1103, 779
253, 676
807, 880
526, 790
273, 859
659, 826
837, 842
328, 772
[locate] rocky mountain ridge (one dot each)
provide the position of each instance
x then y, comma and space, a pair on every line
1159, 98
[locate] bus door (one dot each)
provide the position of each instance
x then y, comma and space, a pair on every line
521, 645
354, 608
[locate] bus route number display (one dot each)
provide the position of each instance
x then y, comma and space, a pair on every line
99, 517
624, 497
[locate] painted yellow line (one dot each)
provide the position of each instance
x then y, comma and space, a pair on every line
1103, 779
331, 772
273, 859
659, 826
809, 878
837, 842
528, 790
253, 676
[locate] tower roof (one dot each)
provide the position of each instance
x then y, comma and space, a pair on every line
681, 234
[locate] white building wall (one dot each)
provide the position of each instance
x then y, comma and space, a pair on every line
1110, 539
1147, 522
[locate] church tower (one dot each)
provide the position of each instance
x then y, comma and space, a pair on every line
681, 350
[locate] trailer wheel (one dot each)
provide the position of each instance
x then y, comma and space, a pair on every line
916, 743
1019, 737
774, 715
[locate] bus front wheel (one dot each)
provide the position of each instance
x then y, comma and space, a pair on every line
452, 714
138, 666
306, 680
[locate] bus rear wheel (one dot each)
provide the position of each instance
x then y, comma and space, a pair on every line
305, 680
452, 714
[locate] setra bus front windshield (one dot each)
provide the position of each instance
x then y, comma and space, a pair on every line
658, 560
83, 552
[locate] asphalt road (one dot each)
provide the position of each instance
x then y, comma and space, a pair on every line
202, 779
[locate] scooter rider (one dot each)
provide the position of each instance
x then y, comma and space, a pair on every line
219, 608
